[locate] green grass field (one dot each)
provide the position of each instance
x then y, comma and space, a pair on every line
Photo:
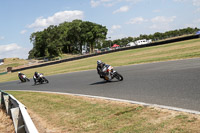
73, 114
172, 51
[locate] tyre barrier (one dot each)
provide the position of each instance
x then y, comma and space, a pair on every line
111, 51
17, 111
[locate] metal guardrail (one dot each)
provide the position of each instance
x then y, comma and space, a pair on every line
17, 111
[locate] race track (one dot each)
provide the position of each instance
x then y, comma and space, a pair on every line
172, 83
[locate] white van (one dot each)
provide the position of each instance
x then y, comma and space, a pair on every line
130, 44
143, 41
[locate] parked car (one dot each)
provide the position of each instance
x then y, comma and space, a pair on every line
130, 44
198, 32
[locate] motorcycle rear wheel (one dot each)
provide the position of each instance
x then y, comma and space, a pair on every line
27, 79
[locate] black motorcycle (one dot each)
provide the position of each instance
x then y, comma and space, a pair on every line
41, 79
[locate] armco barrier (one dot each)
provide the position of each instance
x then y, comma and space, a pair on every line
17, 111
111, 51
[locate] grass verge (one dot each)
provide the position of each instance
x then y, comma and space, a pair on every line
75, 114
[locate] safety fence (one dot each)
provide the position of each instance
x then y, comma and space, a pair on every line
111, 51
17, 111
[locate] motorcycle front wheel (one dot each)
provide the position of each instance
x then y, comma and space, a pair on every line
46, 80
118, 76
27, 79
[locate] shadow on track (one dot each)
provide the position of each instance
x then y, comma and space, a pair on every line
103, 82
21, 82
39, 84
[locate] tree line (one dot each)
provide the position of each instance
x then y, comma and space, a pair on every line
67, 37
70, 37
154, 37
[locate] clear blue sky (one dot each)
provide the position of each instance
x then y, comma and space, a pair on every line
123, 18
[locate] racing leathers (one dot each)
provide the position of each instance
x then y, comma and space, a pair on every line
102, 71
20, 76
36, 77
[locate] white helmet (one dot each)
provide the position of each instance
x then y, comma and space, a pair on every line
19, 72
99, 62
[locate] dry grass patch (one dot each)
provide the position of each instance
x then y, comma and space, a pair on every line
75, 114
12, 62
6, 124
65, 56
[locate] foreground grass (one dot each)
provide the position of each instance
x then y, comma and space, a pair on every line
172, 51
73, 114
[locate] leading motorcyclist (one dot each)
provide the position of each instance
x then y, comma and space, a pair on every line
101, 68
39, 77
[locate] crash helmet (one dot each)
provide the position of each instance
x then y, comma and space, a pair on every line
99, 62
36, 73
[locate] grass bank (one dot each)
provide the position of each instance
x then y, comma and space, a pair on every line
12, 62
172, 51
75, 114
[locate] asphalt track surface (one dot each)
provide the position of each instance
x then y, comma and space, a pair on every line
171, 83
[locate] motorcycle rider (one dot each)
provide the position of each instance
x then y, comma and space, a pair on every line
19, 75
36, 77
22, 77
101, 67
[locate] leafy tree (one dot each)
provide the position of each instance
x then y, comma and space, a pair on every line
94, 34
54, 46
39, 44
67, 37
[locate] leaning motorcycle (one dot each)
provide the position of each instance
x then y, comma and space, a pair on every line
23, 78
41, 79
110, 73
